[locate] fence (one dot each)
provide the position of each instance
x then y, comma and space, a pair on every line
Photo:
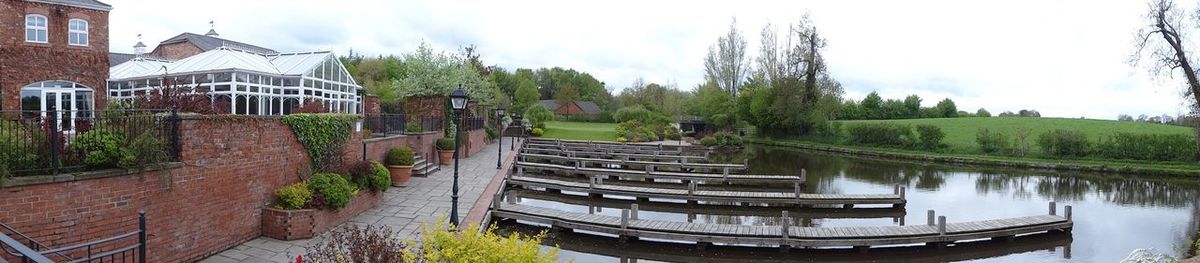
108, 249
54, 142
431, 123
385, 123
474, 123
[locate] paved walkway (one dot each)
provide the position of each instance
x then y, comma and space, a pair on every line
403, 209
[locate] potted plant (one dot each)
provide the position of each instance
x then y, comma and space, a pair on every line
445, 148
399, 162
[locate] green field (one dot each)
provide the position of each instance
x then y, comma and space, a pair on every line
960, 132
581, 131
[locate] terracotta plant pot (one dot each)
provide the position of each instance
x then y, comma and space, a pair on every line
444, 157
400, 174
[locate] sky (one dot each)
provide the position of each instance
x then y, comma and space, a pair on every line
1061, 58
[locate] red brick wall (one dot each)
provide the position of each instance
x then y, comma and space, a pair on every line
474, 141
422, 144
176, 51
23, 63
371, 105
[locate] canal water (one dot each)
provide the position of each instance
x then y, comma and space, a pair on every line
1113, 214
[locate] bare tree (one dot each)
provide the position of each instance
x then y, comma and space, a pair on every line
1170, 55
726, 63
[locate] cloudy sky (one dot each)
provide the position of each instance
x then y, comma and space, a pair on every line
1062, 58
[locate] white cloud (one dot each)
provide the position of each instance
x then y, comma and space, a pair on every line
1063, 58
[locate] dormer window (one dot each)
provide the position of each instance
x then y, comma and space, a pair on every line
77, 33
35, 29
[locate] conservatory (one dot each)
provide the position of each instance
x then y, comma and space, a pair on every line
249, 83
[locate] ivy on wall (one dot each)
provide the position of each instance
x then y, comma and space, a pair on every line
323, 135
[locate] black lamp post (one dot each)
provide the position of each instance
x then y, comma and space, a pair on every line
499, 122
458, 102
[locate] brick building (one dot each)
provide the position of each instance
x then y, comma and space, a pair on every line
53, 55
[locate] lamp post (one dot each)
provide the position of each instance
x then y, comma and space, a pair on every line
499, 122
458, 102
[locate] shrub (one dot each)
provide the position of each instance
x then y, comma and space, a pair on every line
709, 141
380, 178
636, 131
357, 173
101, 148
1151, 147
445, 144
538, 115
491, 133
413, 128
728, 139
293, 196
929, 136
880, 134
354, 244
537, 132
672, 133
335, 189
17, 150
1064, 143
399, 155
447, 244
992, 142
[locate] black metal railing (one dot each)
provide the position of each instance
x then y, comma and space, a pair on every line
431, 123
474, 123
116, 248
55, 142
385, 124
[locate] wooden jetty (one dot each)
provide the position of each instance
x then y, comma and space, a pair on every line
619, 156
634, 164
691, 211
596, 188
606, 143
629, 227
639, 250
606, 149
606, 173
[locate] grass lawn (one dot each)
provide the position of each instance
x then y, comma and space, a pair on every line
960, 132
581, 131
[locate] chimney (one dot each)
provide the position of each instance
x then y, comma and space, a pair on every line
212, 32
139, 48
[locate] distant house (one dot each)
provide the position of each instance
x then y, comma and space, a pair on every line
573, 108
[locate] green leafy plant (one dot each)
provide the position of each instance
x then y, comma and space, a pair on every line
101, 148
399, 155
992, 142
929, 137
537, 132
880, 134
440, 243
727, 139
322, 134
1064, 143
709, 141
538, 115
413, 128
380, 178
17, 150
491, 133
1136, 146
335, 189
293, 196
445, 144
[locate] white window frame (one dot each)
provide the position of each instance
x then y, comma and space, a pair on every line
83, 34
45, 27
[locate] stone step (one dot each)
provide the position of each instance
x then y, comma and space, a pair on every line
425, 169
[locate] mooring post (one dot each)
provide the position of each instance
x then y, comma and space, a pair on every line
796, 187
1053, 208
942, 225
929, 221
520, 171
691, 188
896, 189
1067, 212
786, 223
633, 212
497, 200
511, 199
725, 172
591, 182
624, 218
902, 193
803, 175
649, 168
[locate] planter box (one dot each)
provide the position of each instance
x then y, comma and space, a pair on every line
306, 223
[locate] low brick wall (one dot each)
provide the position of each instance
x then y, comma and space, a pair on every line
211, 200
306, 223
474, 141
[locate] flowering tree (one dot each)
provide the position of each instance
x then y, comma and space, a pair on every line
430, 73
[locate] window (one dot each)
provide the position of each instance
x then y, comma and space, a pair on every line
77, 32
35, 29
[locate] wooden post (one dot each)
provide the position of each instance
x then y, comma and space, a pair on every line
803, 175
796, 187
511, 199
1067, 212
633, 212
896, 189
591, 182
942, 225
785, 225
520, 171
929, 221
497, 200
624, 218
725, 172
745, 163
1053, 208
691, 188
902, 193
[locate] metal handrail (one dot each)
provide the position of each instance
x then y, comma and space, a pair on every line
26, 253
92, 243
106, 254
22, 235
